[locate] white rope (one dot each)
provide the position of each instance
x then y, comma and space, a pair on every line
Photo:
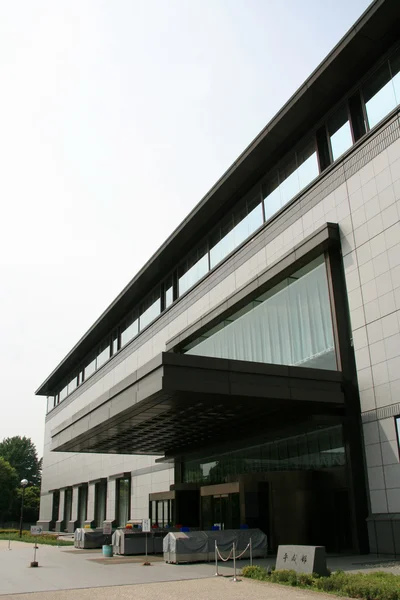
240, 555
221, 557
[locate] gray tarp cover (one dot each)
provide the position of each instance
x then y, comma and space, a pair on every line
204, 541
89, 538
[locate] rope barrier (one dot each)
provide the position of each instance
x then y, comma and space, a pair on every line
235, 558
222, 558
240, 555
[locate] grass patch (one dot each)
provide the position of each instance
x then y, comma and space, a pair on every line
370, 586
45, 538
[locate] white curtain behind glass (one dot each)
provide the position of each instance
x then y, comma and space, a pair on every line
290, 328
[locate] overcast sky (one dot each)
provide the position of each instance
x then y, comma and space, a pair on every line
116, 117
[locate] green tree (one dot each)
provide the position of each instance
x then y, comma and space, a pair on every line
8, 484
21, 453
31, 503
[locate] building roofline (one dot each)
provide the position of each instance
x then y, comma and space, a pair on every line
372, 34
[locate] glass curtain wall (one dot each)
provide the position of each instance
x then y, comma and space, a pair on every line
123, 501
321, 449
291, 324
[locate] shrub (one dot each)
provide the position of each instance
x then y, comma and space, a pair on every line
255, 572
370, 586
284, 576
305, 579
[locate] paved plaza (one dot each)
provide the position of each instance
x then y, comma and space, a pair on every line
69, 573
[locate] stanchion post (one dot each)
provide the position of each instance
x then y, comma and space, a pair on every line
9, 543
251, 553
216, 559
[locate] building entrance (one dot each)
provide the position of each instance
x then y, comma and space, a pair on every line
220, 507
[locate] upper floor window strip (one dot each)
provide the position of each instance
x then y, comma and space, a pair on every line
364, 109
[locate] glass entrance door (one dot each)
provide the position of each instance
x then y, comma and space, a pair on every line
222, 510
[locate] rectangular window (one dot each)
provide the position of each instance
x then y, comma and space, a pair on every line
307, 164
104, 354
289, 180
272, 196
80, 377
397, 423
90, 367
339, 131
195, 267
236, 228
123, 501
169, 292
50, 403
129, 329
222, 241
73, 384
291, 324
63, 393
150, 309
115, 344
379, 96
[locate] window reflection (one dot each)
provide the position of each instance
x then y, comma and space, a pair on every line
307, 162
194, 269
150, 310
50, 403
63, 393
73, 384
90, 368
340, 133
129, 329
294, 175
379, 95
104, 354
235, 229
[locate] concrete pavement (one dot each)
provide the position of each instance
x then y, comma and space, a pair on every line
69, 573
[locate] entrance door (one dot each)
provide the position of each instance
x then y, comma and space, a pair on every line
222, 510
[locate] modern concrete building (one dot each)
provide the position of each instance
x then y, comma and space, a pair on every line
249, 374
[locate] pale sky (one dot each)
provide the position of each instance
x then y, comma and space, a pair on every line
116, 117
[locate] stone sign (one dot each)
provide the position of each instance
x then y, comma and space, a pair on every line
302, 559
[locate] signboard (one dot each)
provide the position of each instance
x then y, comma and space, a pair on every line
36, 529
107, 527
146, 525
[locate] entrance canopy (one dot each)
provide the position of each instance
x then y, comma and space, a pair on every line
177, 403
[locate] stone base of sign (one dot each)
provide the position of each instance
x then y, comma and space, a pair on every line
302, 559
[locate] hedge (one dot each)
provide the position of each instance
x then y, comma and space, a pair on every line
370, 586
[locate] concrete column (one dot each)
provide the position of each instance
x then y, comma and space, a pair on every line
90, 505
74, 512
60, 523
111, 500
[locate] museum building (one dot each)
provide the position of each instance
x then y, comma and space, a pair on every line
249, 374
